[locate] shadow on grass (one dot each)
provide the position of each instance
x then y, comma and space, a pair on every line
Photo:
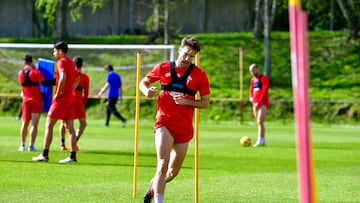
82, 162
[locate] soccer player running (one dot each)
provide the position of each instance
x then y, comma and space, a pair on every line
63, 103
180, 80
81, 94
259, 97
29, 78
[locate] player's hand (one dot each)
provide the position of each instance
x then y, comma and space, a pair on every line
120, 99
151, 92
100, 93
179, 99
251, 99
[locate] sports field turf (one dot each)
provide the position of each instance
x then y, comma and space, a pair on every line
227, 171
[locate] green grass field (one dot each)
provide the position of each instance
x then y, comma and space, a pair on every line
227, 171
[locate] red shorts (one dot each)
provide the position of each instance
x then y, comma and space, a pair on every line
29, 107
63, 109
180, 134
79, 111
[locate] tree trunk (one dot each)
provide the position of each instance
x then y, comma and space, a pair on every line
155, 26
258, 19
131, 29
273, 13
116, 17
267, 39
166, 22
351, 17
62, 32
202, 16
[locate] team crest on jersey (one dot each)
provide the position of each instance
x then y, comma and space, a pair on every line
189, 79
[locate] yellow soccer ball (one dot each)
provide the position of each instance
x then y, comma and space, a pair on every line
245, 141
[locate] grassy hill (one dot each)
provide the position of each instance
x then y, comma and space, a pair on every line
334, 65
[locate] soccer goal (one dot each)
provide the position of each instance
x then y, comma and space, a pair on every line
96, 56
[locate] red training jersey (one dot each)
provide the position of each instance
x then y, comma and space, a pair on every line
82, 90
31, 92
168, 110
66, 66
259, 87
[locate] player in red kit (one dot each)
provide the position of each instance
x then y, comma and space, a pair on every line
29, 78
259, 97
180, 80
81, 94
63, 104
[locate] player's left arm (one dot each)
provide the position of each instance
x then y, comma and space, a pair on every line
77, 81
86, 90
265, 86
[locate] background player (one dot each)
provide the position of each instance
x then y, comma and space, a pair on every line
29, 78
114, 86
63, 103
81, 93
259, 97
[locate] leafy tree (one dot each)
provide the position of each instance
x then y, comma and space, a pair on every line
351, 12
158, 24
48, 9
345, 16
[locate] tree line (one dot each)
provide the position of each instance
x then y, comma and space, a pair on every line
268, 16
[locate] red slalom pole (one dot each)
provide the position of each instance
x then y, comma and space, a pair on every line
300, 80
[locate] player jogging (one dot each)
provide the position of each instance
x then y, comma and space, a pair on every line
180, 80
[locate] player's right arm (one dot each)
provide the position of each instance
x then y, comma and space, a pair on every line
62, 80
251, 98
103, 89
145, 88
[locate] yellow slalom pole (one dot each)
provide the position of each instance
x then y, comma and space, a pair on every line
196, 131
241, 76
137, 116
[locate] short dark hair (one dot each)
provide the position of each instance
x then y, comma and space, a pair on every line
192, 42
78, 61
28, 58
109, 67
62, 46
